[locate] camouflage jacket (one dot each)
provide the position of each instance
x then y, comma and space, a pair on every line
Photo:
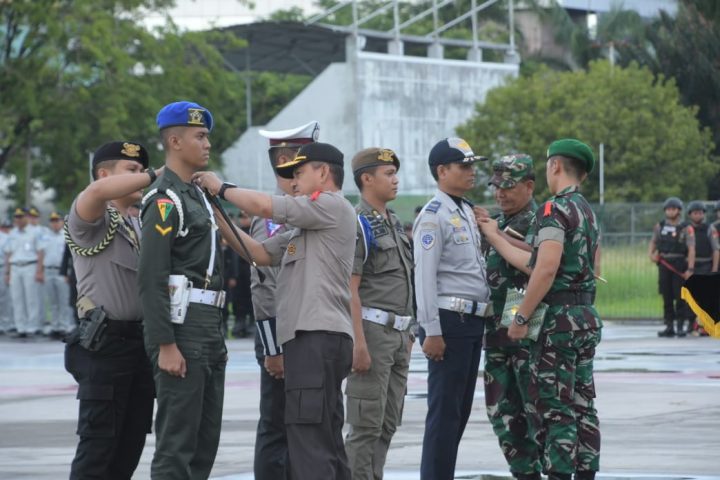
502, 276
568, 218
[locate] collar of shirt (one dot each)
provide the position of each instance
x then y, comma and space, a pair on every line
178, 182
567, 190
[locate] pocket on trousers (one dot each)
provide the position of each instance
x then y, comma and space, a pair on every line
363, 402
304, 399
191, 350
97, 411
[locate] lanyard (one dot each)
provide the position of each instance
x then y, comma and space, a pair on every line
211, 265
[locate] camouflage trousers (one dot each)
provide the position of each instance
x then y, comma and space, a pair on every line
510, 409
564, 390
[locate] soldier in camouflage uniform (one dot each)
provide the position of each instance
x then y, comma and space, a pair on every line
562, 268
507, 370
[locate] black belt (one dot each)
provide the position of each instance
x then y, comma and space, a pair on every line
23, 264
569, 297
124, 328
53, 268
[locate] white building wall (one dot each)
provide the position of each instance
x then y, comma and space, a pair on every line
398, 102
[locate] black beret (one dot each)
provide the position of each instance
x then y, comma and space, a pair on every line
121, 151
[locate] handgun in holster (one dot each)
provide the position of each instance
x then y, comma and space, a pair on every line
90, 331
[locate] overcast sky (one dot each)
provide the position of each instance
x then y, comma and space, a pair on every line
203, 14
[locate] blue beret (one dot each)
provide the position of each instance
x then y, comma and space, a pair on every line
184, 114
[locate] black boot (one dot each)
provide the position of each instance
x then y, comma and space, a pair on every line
559, 476
527, 476
669, 331
585, 475
679, 328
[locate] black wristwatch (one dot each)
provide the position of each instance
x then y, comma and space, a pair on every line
520, 320
151, 172
225, 186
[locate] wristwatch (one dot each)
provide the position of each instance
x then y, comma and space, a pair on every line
520, 320
225, 186
151, 172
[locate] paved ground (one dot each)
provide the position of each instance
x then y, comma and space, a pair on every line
658, 399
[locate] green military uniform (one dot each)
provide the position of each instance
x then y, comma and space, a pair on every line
375, 398
180, 238
507, 369
562, 358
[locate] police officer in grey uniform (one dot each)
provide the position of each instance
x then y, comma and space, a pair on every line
24, 273
57, 290
271, 440
6, 318
116, 388
453, 298
382, 309
313, 311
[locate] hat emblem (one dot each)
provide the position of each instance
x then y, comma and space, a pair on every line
195, 116
386, 155
131, 150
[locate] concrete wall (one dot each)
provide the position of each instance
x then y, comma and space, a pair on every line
398, 102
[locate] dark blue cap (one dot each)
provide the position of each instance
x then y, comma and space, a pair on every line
452, 150
184, 114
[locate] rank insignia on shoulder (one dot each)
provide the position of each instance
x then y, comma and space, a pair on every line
163, 231
548, 209
427, 239
433, 206
165, 206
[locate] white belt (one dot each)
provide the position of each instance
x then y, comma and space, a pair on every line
381, 317
207, 297
461, 305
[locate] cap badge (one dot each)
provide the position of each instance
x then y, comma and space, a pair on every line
195, 116
386, 155
131, 150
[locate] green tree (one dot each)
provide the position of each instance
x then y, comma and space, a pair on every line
77, 73
640, 120
686, 47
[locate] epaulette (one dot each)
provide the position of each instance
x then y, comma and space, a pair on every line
433, 206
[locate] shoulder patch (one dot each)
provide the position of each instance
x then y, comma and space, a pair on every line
427, 239
548, 209
165, 206
433, 206
271, 228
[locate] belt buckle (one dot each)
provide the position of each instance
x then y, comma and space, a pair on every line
458, 304
401, 322
220, 299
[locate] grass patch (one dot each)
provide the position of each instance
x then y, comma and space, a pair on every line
632, 288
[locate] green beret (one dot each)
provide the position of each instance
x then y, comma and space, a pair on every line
570, 147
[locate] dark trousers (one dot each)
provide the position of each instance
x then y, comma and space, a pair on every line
669, 282
116, 395
316, 363
189, 414
451, 387
271, 451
